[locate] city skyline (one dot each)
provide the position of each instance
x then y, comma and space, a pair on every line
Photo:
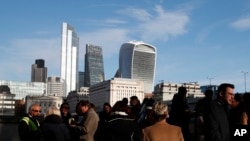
197, 41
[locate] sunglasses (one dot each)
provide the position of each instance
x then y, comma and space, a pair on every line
36, 111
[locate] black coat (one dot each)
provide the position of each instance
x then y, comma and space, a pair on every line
216, 122
122, 128
54, 129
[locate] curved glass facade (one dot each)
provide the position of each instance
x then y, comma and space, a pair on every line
137, 60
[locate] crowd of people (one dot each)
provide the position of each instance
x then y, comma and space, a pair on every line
149, 120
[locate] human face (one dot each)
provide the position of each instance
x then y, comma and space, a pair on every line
65, 110
228, 96
35, 111
84, 109
234, 103
107, 109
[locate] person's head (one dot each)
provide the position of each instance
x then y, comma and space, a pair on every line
160, 110
134, 101
84, 106
34, 110
236, 101
119, 106
125, 100
246, 100
64, 108
209, 93
106, 107
53, 111
226, 93
182, 91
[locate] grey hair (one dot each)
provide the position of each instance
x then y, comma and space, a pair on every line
53, 111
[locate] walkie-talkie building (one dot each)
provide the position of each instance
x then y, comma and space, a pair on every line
137, 60
69, 58
94, 68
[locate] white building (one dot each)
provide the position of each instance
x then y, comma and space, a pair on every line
75, 96
55, 86
165, 92
137, 60
22, 89
114, 90
44, 101
69, 58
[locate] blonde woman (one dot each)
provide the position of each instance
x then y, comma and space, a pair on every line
53, 127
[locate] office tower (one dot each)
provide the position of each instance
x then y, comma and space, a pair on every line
94, 69
69, 58
137, 60
38, 71
81, 79
55, 86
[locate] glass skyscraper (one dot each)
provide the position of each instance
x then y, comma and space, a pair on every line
94, 69
137, 60
69, 58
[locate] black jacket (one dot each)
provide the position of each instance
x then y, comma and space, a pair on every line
54, 129
216, 122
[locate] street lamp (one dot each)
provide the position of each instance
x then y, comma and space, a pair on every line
245, 80
210, 78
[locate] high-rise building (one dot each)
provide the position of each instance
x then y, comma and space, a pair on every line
81, 79
55, 86
38, 71
69, 58
94, 69
137, 60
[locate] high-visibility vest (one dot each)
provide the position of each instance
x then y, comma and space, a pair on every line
30, 123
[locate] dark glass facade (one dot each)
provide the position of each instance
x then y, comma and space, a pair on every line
38, 71
94, 68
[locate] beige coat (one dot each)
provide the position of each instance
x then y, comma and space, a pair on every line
162, 131
90, 125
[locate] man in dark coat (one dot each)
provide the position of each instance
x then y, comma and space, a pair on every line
216, 118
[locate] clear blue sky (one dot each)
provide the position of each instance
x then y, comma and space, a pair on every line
195, 39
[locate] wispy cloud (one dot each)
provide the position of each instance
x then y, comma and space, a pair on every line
158, 24
241, 24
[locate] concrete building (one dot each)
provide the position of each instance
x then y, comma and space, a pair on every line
214, 88
137, 60
165, 92
38, 71
69, 58
44, 101
7, 104
94, 68
75, 96
55, 86
114, 90
22, 89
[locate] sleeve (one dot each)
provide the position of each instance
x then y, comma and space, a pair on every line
90, 123
212, 125
23, 130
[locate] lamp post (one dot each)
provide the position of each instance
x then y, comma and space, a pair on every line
245, 79
210, 78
